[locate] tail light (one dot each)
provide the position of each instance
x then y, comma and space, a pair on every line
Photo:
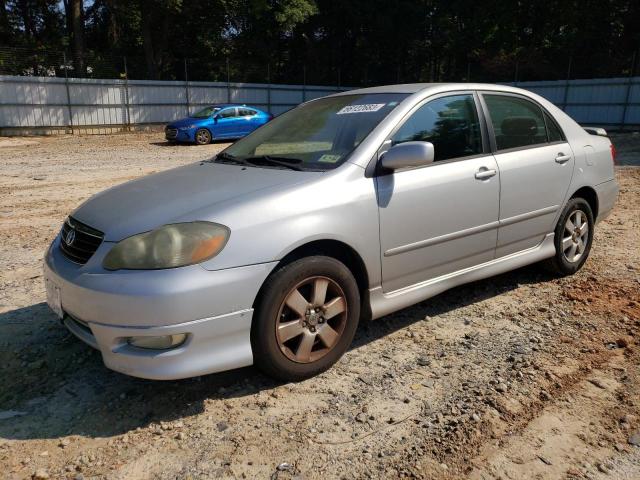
613, 154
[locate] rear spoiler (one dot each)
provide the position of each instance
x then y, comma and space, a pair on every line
596, 131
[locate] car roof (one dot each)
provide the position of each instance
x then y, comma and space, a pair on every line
411, 88
226, 105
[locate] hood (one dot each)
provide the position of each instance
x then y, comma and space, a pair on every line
179, 195
183, 122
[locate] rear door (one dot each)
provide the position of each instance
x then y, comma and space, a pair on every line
247, 120
227, 124
536, 165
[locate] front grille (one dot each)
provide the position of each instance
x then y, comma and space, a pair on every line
171, 133
79, 241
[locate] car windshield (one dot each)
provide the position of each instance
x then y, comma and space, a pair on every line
206, 112
318, 135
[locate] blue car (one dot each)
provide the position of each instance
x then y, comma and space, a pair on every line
216, 122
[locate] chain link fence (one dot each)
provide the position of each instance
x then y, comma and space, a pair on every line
118, 91
48, 62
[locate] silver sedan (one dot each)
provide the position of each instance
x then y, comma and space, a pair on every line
345, 208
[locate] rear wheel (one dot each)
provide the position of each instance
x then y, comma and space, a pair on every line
573, 237
305, 319
202, 136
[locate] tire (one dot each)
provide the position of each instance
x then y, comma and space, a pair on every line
202, 136
281, 334
572, 244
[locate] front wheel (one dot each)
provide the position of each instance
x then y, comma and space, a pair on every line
573, 237
202, 136
305, 319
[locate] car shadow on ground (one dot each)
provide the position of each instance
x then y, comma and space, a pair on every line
189, 144
55, 386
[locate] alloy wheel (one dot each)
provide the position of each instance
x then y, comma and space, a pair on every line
202, 136
311, 319
576, 236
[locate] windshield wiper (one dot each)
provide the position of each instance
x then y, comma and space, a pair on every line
286, 162
227, 157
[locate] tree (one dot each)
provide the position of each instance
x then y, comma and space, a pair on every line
74, 13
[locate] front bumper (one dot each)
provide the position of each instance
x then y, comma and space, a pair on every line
214, 308
176, 135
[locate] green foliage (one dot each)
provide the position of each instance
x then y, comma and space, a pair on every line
352, 42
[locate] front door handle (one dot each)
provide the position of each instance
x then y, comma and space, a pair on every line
485, 173
562, 158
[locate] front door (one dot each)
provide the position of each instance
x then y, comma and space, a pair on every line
443, 217
536, 166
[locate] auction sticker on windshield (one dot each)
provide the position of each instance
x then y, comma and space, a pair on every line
367, 107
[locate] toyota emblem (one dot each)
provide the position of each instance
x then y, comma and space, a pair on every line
70, 237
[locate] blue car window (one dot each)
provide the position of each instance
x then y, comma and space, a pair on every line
227, 113
206, 112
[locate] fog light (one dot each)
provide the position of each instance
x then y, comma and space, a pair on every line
163, 342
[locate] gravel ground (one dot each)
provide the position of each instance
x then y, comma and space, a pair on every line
520, 376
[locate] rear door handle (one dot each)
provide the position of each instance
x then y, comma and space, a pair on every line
485, 173
562, 158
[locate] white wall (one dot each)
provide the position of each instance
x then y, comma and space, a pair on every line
44, 101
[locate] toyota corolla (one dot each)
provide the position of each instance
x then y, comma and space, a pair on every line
345, 208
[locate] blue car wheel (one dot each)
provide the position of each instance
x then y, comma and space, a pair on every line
202, 136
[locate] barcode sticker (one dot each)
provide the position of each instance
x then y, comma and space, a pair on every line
367, 107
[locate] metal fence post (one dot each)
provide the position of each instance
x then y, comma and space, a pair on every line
127, 119
628, 94
304, 83
186, 87
566, 86
66, 84
269, 87
228, 83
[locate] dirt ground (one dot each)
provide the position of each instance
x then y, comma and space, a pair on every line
519, 376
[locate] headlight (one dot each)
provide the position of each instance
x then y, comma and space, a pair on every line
189, 127
170, 246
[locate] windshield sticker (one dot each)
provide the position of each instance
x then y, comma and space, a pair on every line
367, 107
328, 158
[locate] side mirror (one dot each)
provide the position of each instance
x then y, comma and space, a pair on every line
215, 118
408, 154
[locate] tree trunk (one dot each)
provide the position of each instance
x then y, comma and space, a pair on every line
74, 16
147, 40
5, 29
77, 22
112, 27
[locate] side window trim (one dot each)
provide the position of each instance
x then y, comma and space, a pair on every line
546, 115
491, 131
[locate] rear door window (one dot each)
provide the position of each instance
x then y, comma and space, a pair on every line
227, 113
516, 122
246, 112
